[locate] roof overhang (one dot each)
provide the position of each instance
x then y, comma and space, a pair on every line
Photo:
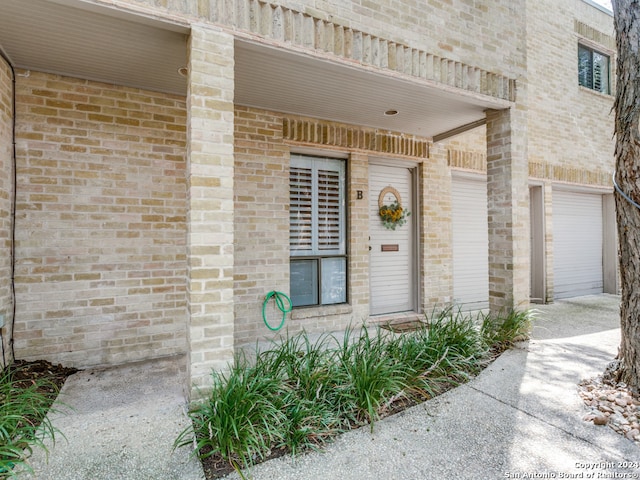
83, 39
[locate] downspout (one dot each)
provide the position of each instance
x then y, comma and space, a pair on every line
13, 214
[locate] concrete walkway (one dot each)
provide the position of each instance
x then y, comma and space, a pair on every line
120, 424
521, 418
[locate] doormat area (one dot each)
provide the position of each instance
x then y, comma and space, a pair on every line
406, 326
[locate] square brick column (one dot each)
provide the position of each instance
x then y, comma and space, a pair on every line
210, 168
508, 209
358, 236
436, 236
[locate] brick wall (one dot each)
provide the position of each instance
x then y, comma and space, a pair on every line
487, 36
6, 193
570, 127
100, 238
262, 226
436, 233
508, 209
262, 219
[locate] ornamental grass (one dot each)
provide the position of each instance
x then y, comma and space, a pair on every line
301, 393
24, 424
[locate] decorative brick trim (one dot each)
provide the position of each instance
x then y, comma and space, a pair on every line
347, 136
569, 174
590, 33
309, 32
467, 160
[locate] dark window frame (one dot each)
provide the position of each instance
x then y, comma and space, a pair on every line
589, 60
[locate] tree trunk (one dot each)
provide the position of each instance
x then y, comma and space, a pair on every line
627, 178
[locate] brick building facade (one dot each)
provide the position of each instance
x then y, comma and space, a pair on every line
163, 152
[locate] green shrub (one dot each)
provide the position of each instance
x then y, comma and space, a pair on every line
442, 352
23, 421
368, 374
309, 401
501, 331
299, 393
239, 420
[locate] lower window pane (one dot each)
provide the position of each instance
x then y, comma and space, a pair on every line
334, 280
304, 282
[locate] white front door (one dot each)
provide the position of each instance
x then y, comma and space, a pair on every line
392, 256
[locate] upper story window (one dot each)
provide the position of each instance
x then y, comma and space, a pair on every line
593, 69
317, 235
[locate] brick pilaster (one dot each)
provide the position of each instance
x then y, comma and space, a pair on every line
436, 238
210, 204
6, 192
508, 209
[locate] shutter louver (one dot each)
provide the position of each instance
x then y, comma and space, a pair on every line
597, 77
600, 72
328, 210
301, 209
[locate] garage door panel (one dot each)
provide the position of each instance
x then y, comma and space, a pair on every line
577, 234
470, 243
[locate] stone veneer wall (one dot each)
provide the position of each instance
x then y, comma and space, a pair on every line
6, 194
101, 222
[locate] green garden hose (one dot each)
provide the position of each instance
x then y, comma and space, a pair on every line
278, 297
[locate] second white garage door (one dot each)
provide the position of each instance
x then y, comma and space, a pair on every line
577, 244
470, 243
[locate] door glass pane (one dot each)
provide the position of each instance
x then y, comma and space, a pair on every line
304, 282
334, 280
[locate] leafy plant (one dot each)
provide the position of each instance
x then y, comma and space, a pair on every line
501, 331
239, 420
299, 393
309, 400
369, 374
24, 424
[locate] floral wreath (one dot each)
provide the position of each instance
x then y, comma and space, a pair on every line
392, 215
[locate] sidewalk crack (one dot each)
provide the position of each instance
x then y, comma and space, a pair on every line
563, 430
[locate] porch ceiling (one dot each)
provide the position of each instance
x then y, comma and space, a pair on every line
81, 39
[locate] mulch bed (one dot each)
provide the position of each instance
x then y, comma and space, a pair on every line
215, 467
25, 373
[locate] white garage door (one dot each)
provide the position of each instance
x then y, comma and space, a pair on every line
577, 244
470, 243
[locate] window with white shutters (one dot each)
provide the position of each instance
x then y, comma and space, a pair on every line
593, 69
317, 230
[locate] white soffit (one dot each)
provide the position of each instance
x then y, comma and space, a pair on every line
296, 83
94, 43
85, 40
